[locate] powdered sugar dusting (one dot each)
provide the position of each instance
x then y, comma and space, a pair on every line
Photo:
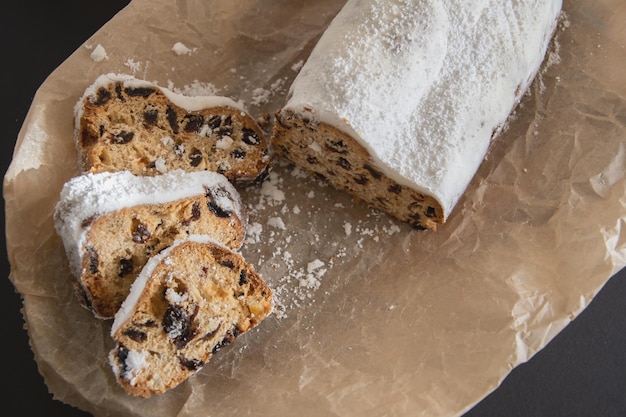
195, 88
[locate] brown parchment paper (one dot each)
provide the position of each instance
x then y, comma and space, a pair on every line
373, 318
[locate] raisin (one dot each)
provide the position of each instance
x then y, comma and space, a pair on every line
193, 122
344, 163
430, 211
141, 234
416, 222
147, 323
178, 325
226, 129
312, 160
150, 117
227, 340
118, 92
377, 175
213, 196
139, 91
195, 158
195, 214
238, 153
126, 267
122, 355
243, 277
227, 263
361, 180
88, 138
395, 188
102, 96
172, 117
215, 122
250, 137
122, 138
191, 364
336, 146
93, 259
136, 335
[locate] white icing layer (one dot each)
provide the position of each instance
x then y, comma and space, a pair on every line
89, 195
127, 307
423, 84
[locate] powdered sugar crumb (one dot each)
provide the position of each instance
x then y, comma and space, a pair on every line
297, 66
277, 223
98, 54
180, 48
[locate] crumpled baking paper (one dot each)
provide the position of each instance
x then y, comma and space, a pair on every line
372, 317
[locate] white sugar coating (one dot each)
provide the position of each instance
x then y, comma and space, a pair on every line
185, 101
125, 311
89, 195
423, 84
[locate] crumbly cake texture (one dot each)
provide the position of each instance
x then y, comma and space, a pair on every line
188, 302
112, 223
124, 123
399, 100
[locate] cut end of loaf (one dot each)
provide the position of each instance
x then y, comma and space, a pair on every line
335, 157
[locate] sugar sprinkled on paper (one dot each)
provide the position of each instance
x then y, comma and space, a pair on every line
276, 215
195, 88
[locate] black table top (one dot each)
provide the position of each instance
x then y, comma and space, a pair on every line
582, 372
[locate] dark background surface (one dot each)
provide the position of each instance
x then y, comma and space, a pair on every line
582, 372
